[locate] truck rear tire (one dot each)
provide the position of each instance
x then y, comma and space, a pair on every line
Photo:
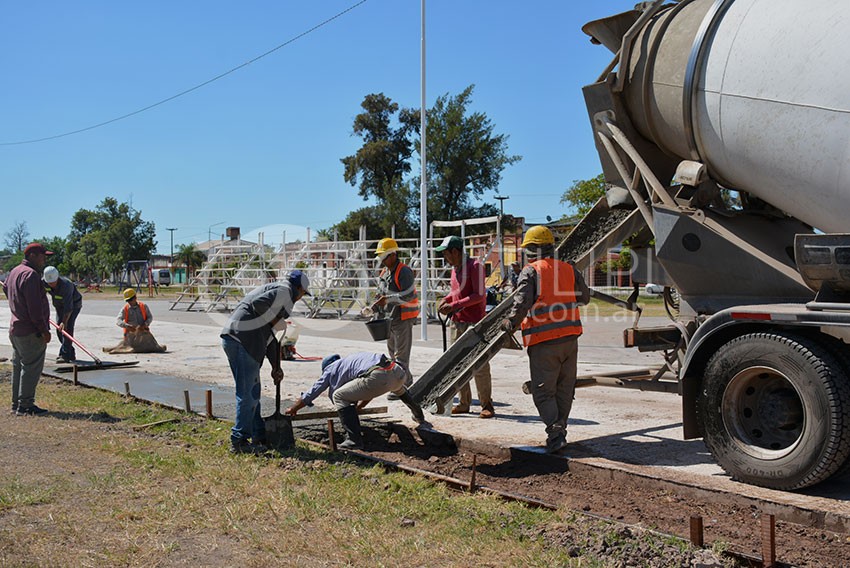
775, 409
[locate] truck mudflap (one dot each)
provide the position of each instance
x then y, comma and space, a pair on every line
436, 388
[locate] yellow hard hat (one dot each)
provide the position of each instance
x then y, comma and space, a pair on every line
538, 235
385, 247
129, 294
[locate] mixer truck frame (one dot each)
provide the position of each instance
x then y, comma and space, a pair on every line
706, 101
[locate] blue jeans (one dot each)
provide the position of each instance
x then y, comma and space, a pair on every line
246, 375
67, 351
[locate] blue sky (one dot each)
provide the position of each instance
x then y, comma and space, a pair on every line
262, 146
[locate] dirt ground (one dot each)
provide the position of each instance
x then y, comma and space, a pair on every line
79, 456
732, 526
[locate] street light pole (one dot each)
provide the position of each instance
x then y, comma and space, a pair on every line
501, 199
171, 261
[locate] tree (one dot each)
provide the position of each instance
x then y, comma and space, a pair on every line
381, 164
465, 158
583, 194
349, 228
104, 239
58, 246
17, 237
384, 158
190, 257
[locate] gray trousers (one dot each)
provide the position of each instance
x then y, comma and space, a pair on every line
483, 379
369, 386
27, 363
553, 382
400, 340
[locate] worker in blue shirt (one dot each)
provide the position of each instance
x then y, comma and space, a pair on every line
68, 302
354, 380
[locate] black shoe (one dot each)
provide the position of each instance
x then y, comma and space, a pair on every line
556, 445
31, 411
14, 408
245, 447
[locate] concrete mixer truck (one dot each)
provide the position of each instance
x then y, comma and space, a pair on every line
723, 129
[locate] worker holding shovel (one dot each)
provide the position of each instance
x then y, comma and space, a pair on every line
247, 338
354, 380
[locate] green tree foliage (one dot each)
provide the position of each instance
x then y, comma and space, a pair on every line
349, 228
190, 257
104, 239
59, 247
465, 158
583, 194
56, 245
379, 167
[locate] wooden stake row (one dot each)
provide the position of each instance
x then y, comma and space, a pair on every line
768, 538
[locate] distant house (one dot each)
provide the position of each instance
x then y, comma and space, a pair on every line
233, 240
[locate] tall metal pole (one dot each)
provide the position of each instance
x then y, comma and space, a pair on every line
501, 199
171, 261
423, 195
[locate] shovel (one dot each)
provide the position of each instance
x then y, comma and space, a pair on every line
279, 427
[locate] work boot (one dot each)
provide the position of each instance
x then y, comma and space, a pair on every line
460, 409
415, 409
556, 442
351, 424
243, 446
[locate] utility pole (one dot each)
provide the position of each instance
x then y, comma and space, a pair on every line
501, 199
171, 266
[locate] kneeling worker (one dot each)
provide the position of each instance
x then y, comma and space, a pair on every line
135, 319
354, 379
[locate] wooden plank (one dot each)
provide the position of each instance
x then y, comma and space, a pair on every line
333, 413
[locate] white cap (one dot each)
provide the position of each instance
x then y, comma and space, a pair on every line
51, 275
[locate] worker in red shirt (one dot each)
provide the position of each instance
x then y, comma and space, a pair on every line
467, 303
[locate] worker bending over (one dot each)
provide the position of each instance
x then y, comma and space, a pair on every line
354, 380
247, 338
546, 307
68, 302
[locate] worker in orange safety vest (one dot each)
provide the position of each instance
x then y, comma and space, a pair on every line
397, 295
546, 308
135, 315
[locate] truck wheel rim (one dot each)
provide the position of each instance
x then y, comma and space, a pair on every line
763, 413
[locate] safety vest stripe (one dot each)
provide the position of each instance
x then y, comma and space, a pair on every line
550, 327
553, 308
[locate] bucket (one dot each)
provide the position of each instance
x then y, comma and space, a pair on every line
379, 329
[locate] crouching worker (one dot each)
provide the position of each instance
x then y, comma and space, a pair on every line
135, 319
354, 380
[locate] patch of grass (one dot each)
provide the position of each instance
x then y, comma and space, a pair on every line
17, 493
171, 494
